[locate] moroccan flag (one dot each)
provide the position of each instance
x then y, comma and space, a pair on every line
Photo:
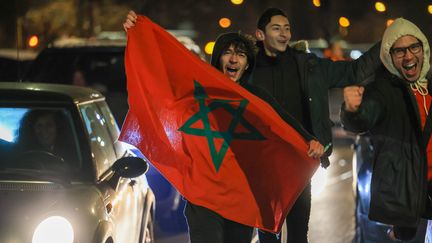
220, 146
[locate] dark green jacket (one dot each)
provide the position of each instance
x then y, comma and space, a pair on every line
317, 76
390, 112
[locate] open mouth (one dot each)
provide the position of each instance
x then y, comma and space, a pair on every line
411, 70
410, 66
231, 72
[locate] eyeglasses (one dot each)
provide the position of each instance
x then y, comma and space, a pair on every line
401, 51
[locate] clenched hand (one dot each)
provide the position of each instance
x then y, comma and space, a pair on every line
316, 150
353, 96
130, 21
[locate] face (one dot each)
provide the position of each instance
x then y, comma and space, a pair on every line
78, 79
407, 56
337, 51
45, 130
276, 36
233, 63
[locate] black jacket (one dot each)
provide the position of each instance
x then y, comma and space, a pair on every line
317, 76
390, 112
221, 43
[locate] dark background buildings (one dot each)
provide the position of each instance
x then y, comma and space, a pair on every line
49, 20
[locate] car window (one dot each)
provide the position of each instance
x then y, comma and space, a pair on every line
100, 138
38, 138
98, 68
113, 128
111, 122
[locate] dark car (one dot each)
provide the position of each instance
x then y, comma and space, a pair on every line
14, 64
100, 65
368, 231
64, 177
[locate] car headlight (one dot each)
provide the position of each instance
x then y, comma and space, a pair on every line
53, 229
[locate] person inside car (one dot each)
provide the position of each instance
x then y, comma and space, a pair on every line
45, 131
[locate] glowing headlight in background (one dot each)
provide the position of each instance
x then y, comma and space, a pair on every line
53, 230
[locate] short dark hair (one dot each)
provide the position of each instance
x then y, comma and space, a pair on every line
240, 42
243, 44
266, 16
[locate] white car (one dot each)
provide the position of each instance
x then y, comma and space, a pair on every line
64, 177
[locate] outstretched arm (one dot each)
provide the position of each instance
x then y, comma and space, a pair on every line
361, 71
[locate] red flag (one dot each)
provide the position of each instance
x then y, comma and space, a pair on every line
220, 146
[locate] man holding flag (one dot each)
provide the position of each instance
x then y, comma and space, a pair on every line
232, 190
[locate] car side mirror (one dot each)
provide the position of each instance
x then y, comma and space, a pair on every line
130, 167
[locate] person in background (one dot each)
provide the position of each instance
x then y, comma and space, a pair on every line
335, 52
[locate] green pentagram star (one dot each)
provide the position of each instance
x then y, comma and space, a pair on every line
228, 135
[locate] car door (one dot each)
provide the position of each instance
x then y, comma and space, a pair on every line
122, 200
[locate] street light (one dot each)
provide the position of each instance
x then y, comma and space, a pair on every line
33, 41
209, 47
237, 2
316, 3
224, 22
389, 22
380, 7
344, 22
430, 8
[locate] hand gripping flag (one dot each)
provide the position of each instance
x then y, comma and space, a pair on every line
220, 146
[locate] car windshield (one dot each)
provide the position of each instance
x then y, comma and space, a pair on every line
38, 138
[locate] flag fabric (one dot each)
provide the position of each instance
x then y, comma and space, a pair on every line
220, 146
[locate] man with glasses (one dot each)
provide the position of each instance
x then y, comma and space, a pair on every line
395, 110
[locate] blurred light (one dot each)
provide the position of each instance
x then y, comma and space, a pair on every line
209, 47
342, 162
237, 2
380, 7
344, 22
54, 229
225, 22
319, 181
33, 41
354, 54
389, 22
430, 9
316, 3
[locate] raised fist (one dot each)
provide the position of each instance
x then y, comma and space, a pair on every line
353, 97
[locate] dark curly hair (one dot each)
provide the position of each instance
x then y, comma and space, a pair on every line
27, 139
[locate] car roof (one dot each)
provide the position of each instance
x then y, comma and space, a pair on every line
70, 92
87, 48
